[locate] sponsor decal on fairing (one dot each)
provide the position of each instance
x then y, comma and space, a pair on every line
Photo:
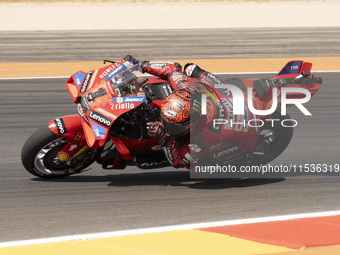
117, 70
86, 82
122, 106
78, 135
128, 99
78, 78
99, 131
60, 126
100, 118
101, 92
107, 71
158, 64
291, 68
224, 151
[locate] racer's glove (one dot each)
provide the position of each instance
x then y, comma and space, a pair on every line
172, 153
143, 63
130, 58
155, 129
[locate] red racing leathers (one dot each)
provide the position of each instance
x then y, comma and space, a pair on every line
208, 143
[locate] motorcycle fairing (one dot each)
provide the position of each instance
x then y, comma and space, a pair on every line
73, 84
104, 110
294, 68
117, 69
70, 128
139, 99
79, 78
79, 82
99, 105
125, 145
123, 150
95, 134
295, 74
157, 89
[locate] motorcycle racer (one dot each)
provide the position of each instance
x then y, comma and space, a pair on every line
179, 115
226, 126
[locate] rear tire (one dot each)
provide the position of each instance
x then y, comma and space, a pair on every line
39, 155
274, 138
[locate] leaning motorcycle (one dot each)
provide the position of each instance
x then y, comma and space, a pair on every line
116, 102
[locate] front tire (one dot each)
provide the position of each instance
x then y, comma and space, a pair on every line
39, 155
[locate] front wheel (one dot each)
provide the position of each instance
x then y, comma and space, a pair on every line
39, 155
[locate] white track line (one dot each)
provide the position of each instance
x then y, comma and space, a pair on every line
226, 73
168, 228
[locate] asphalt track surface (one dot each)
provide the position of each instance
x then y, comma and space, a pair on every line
63, 46
99, 201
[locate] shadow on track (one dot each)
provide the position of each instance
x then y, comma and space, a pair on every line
169, 178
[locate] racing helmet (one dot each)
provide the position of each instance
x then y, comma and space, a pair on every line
178, 113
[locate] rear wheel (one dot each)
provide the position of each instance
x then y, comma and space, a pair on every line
39, 155
273, 139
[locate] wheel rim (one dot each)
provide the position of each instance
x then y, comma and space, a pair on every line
46, 161
268, 144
